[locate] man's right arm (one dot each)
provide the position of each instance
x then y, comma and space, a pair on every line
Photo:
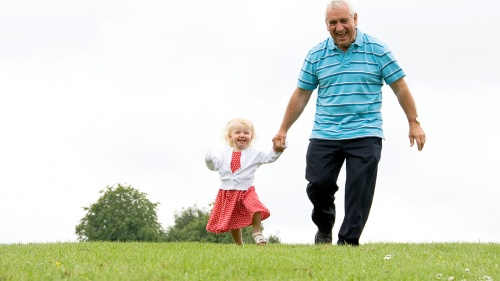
296, 106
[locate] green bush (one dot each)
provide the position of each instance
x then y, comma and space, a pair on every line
122, 213
190, 225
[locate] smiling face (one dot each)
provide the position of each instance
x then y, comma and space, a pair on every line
240, 136
341, 25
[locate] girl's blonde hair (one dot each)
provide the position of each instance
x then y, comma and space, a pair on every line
229, 126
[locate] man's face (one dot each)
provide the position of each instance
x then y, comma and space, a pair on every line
342, 26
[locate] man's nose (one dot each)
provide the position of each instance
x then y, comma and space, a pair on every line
339, 28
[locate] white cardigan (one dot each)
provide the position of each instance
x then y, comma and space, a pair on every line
241, 179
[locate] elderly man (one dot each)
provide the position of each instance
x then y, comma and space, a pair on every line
348, 69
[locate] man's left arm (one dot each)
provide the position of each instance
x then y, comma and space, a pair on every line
405, 99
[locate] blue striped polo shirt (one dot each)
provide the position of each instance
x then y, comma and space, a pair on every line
349, 86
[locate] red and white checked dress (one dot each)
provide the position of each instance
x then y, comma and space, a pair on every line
234, 209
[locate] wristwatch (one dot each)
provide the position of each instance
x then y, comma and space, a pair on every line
414, 119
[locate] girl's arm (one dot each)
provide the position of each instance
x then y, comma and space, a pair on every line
264, 157
211, 160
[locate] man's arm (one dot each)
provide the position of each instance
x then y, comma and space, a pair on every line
405, 99
296, 105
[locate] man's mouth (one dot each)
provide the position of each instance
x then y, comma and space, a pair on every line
342, 35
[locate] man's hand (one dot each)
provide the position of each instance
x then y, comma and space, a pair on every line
416, 135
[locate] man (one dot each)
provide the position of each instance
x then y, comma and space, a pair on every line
349, 69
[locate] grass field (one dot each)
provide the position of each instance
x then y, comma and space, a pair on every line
197, 261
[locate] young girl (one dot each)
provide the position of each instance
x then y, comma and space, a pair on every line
237, 204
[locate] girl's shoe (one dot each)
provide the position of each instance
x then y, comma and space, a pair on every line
259, 239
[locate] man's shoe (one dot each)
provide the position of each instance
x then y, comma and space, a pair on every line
321, 238
342, 242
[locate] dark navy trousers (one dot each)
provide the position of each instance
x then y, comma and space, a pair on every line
324, 160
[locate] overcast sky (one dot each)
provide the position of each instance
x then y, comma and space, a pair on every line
95, 93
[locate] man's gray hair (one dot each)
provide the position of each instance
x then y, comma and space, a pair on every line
339, 4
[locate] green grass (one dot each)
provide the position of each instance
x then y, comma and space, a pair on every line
196, 261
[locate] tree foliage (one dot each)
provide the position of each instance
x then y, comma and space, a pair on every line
190, 225
122, 213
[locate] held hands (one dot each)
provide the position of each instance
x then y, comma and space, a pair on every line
279, 142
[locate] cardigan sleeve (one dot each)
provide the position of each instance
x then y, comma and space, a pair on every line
265, 157
212, 161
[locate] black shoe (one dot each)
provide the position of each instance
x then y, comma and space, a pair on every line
342, 242
321, 238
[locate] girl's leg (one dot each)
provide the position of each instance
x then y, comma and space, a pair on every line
256, 220
257, 236
237, 236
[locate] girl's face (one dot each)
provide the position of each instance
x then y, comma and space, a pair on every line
241, 136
